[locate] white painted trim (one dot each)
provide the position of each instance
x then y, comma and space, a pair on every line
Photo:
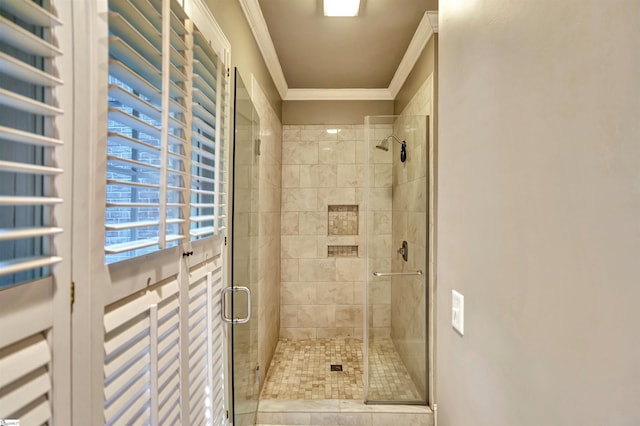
201, 15
339, 95
427, 27
433, 20
260, 32
420, 39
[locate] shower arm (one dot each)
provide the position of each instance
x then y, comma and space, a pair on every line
403, 143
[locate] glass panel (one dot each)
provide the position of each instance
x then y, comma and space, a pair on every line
397, 243
245, 223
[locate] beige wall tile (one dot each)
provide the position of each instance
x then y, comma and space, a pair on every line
332, 293
382, 222
289, 223
289, 270
382, 175
302, 152
297, 293
329, 333
288, 315
381, 315
317, 270
318, 176
327, 196
379, 292
299, 199
313, 223
351, 175
348, 316
298, 247
297, 333
380, 199
348, 269
316, 316
290, 176
337, 152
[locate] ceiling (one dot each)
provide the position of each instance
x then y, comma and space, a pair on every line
313, 56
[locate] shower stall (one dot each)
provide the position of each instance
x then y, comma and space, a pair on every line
354, 293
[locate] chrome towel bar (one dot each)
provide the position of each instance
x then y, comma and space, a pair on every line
391, 274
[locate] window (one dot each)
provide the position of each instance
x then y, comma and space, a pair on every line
28, 140
166, 179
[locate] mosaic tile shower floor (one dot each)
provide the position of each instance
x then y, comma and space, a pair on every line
301, 369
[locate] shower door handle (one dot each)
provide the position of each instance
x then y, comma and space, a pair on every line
393, 274
223, 311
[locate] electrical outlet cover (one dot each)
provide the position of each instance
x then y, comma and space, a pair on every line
457, 311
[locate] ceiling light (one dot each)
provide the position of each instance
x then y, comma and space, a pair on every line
341, 7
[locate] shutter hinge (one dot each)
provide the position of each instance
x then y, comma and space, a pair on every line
227, 413
225, 240
258, 145
73, 293
228, 72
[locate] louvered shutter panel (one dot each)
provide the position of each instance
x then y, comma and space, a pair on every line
205, 138
28, 115
206, 346
25, 382
146, 163
168, 382
142, 359
216, 345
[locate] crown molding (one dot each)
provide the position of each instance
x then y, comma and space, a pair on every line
253, 13
423, 34
338, 95
427, 27
433, 20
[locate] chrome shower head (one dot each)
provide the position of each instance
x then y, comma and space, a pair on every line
384, 145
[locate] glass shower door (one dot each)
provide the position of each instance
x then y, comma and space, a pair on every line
397, 260
244, 272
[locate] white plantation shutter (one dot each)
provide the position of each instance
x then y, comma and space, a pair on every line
165, 180
146, 163
28, 140
143, 360
141, 364
207, 169
206, 360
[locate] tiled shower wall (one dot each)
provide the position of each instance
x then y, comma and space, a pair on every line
322, 296
269, 234
409, 330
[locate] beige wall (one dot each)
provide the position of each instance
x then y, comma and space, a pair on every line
539, 213
332, 112
321, 296
245, 53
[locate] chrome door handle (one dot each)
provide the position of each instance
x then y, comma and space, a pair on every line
224, 305
393, 274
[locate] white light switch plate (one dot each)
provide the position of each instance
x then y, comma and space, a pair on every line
457, 311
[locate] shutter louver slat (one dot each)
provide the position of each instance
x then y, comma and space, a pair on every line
27, 138
23, 103
12, 166
25, 72
31, 13
16, 36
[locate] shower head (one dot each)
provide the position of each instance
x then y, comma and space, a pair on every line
384, 145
